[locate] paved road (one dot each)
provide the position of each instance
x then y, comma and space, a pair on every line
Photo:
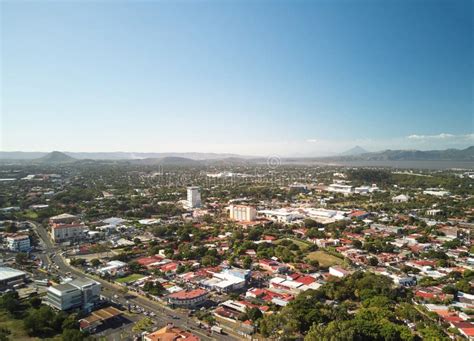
163, 313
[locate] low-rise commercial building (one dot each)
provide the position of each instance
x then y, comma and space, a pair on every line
61, 233
436, 192
340, 188
228, 280
18, 243
11, 278
64, 218
170, 332
113, 268
80, 293
337, 271
96, 318
188, 299
401, 198
64, 297
282, 215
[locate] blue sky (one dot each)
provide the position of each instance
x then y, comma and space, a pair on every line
251, 77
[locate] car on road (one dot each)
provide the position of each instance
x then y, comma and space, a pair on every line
216, 329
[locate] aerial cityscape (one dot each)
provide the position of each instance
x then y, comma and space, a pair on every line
237, 170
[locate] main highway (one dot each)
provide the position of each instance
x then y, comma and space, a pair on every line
113, 292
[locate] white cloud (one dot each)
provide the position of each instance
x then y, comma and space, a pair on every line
442, 136
311, 140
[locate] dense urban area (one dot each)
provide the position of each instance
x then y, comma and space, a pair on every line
119, 251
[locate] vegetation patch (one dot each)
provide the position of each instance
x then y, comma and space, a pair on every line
130, 278
301, 244
14, 326
324, 259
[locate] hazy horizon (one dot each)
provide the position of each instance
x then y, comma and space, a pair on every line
307, 78
140, 155
264, 154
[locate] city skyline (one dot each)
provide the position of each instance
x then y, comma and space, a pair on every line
251, 78
239, 169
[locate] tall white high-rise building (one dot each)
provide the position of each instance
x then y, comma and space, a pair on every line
194, 197
242, 213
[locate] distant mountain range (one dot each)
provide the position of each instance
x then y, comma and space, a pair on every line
355, 154
119, 155
168, 161
55, 157
357, 150
412, 155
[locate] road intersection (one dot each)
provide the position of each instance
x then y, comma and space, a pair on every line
162, 314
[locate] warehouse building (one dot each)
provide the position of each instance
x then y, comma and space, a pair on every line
11, 278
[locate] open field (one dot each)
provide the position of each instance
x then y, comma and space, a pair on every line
30, 215
324, 258
98, 255
15, 327
301, 244
129, 279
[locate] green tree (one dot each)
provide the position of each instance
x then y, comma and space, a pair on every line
310, 223
335, 330
95, 262
247, 262
464, 286
39, 322
72, 335
4, 334
254, 314
21, 258
78, 262
209, 261
135, 267
144, 324
35, 302
373, 261
10, 302
11, 227
154, 288
432, 332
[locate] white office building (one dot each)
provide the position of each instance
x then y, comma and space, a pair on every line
337, 271
436, 192
18, 243
339, 188
64, 297
227, 280
194, 197
282, 215
67, 232
113, 268
242, 213
401, 198
80, 293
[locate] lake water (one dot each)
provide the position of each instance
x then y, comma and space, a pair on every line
405, 164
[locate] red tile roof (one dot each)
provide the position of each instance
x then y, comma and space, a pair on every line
145, 261
306, 280
468, 331
66, 226
169, 267
187, 295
